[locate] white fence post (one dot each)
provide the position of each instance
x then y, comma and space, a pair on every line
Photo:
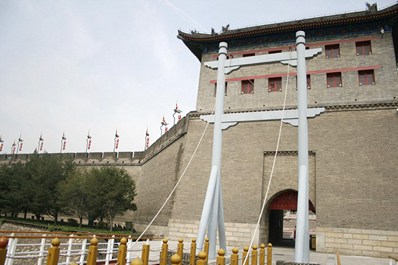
11, 250
129, 249
41, 251
109, 250
69, 252
83, 253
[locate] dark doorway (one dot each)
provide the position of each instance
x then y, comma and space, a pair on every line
281, 224
275, 226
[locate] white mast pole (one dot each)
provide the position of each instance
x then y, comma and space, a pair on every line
213, 213
302, 227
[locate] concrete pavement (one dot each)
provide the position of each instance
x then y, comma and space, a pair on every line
287, 254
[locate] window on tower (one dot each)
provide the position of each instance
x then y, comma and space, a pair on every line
274, 51
247, 86
334, 79
366, 77
248, 54
363, 47
275, 84
225, 90
332, 51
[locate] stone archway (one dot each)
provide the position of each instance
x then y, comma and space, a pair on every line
281, 203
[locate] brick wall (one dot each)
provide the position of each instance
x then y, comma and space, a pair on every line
361, 242
382, 59
236, 234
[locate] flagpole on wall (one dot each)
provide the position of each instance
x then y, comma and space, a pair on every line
20, 143
40, 143
176, 111
1, 144
116, 142
163, 124
146, 139
88, 142
63, 142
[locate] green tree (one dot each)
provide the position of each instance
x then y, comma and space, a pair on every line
15, 196
46, 173
74, 195
115, 192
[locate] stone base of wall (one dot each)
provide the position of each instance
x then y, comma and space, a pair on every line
374, 243
157, 231
237, 234
293, 263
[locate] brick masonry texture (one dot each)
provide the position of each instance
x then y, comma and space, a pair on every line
382, 55
377, 243
353, 176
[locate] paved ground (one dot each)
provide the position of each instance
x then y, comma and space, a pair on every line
287, 254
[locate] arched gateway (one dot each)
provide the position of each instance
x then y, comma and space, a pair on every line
281, 230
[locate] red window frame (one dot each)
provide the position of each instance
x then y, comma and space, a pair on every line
247, 86
332, 51
366, 77
363, 47
334, 79
274, 84
275, 51
225, 90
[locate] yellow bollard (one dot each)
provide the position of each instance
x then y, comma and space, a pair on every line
206, 249
269, 254
235, 256
254, 255
175, 259
220, 260
245, 259
338, 258
92, 252
53, 252
180, 249
192, 256
145, 254
122, 252
202, 258
136, 261
3, 250
163, 253
262, 254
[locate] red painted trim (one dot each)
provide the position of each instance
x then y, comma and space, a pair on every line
293, 46
343, 70
279, 48
323, 43
314, 72
287, 201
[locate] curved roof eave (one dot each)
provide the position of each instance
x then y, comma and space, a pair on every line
194, 40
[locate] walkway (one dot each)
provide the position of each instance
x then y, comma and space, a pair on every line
287, 254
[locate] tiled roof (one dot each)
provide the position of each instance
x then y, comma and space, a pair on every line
193, 39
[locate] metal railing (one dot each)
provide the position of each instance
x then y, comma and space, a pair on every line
73, 250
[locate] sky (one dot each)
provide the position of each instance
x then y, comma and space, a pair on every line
73, 67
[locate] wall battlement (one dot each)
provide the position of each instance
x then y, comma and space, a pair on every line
135, 158
82, 158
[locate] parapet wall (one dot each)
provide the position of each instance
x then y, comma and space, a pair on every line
112, 158
82, 158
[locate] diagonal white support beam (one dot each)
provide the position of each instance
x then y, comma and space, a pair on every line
288, 116
283, 57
